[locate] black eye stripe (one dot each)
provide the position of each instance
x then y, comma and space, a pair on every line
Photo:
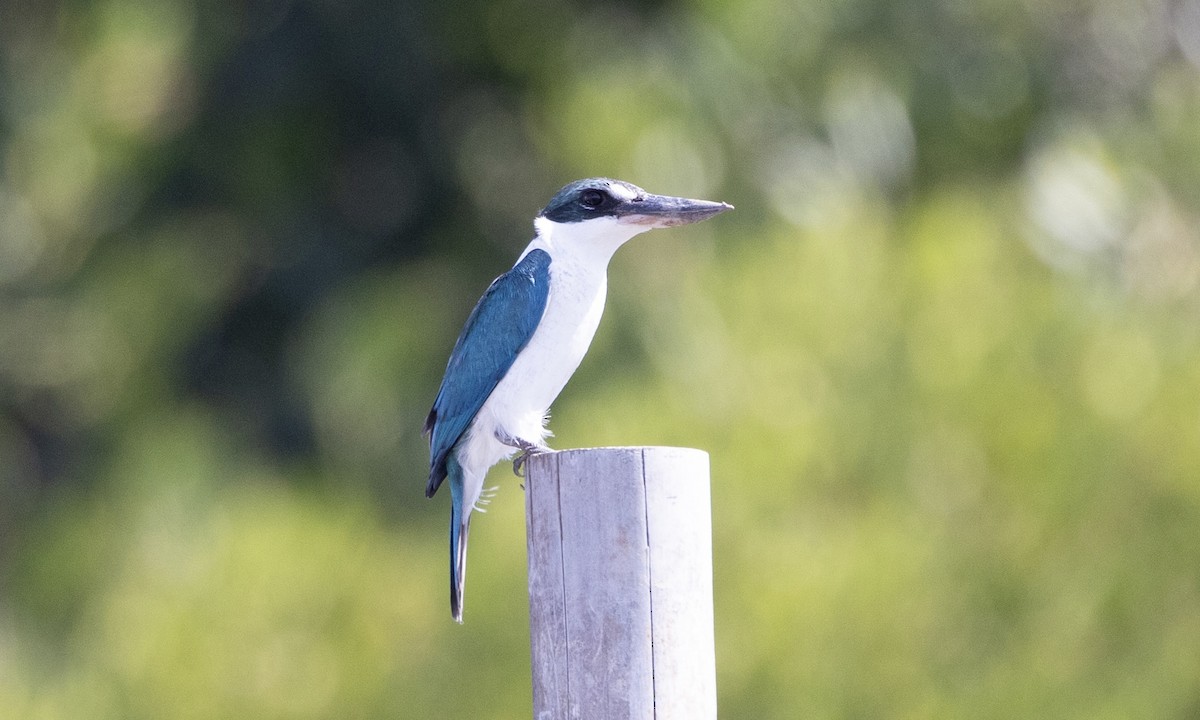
589, 198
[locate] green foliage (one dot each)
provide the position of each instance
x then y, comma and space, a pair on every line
944, 355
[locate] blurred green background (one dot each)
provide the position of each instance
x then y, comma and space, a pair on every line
945, 354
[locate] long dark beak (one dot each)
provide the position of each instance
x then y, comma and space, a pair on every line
665, 211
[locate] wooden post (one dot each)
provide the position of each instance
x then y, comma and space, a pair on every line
620, 584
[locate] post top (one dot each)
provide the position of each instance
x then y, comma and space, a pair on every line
657, 450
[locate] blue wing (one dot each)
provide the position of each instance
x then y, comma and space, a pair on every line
498, 328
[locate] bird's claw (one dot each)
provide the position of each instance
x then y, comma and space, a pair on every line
522, 458
525, 447
528, 450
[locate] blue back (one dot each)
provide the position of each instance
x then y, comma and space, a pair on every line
498, 328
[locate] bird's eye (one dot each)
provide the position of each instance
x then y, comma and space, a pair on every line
592, 199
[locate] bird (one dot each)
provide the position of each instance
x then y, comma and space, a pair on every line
525, 338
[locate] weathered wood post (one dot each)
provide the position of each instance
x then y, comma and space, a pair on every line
620, 584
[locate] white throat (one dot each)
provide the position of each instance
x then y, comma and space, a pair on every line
590, 242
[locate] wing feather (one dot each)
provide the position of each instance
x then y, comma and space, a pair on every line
497, 330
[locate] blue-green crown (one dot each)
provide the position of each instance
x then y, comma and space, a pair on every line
588, 199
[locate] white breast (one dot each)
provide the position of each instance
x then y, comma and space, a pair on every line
576, 301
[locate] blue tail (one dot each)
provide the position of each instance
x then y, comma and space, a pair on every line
460, 525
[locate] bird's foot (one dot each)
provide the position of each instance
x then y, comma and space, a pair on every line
523, 457
527, 449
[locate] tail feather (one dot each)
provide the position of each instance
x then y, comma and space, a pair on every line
460, 526
459, 529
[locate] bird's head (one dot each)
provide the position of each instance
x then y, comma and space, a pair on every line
601, 209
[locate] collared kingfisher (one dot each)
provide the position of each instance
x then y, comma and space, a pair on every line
525, 338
